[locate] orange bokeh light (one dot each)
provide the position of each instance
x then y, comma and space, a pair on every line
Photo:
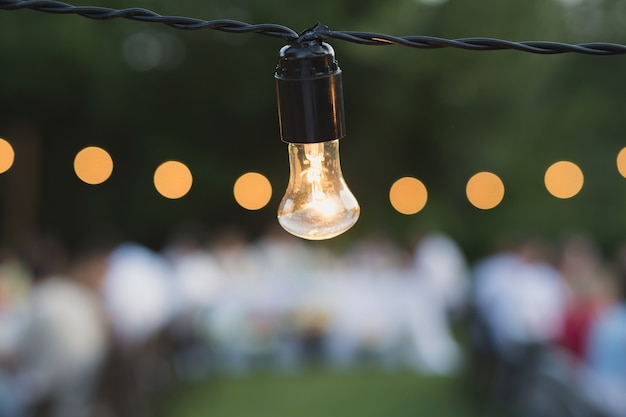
621, 162
564, 179
485, 190
408, 195
173, 179
93, 165
7, 156
252, 191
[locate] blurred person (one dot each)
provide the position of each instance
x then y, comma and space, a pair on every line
521, 297
439, 287
229, 324
589, 292
605, 376
360, 323
139, 294
286, 308
140, 301
66, 340
263, 317
364, 323
439, 261
15, 283
196, 274
520, 300
491, 276
14, 292
434, 348
556, 379
199, 281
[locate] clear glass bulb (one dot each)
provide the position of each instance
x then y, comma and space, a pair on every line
317, 204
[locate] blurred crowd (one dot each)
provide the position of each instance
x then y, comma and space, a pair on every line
109, 330
549, 328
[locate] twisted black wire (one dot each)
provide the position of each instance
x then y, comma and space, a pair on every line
318, 32
480, 44
144, 15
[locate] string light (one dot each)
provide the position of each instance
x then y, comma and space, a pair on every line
252, 191
408, 195
317, 204
564, 179
485, 190
93, 165
172, 179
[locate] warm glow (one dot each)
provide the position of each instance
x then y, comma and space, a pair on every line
173, 179
93, 165
564, 179
621, 162
252, 191
317, 204
408, 195
7, 155
485, 190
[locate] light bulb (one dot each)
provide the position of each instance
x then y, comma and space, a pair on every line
317, 204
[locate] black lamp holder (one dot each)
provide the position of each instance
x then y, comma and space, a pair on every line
309, 90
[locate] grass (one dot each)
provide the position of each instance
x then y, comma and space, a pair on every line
323, 393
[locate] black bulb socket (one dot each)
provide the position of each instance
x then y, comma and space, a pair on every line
310, 94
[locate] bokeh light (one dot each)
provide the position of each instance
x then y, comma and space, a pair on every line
173, 179
252, 191
7, 156
485, 190
93, 165
621, 162
564, 179
408, 195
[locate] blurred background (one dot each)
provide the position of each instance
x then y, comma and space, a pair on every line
338, 313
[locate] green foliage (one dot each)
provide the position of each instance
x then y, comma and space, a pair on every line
439, 115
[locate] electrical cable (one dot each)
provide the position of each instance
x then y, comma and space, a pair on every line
145, 15
316, 33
